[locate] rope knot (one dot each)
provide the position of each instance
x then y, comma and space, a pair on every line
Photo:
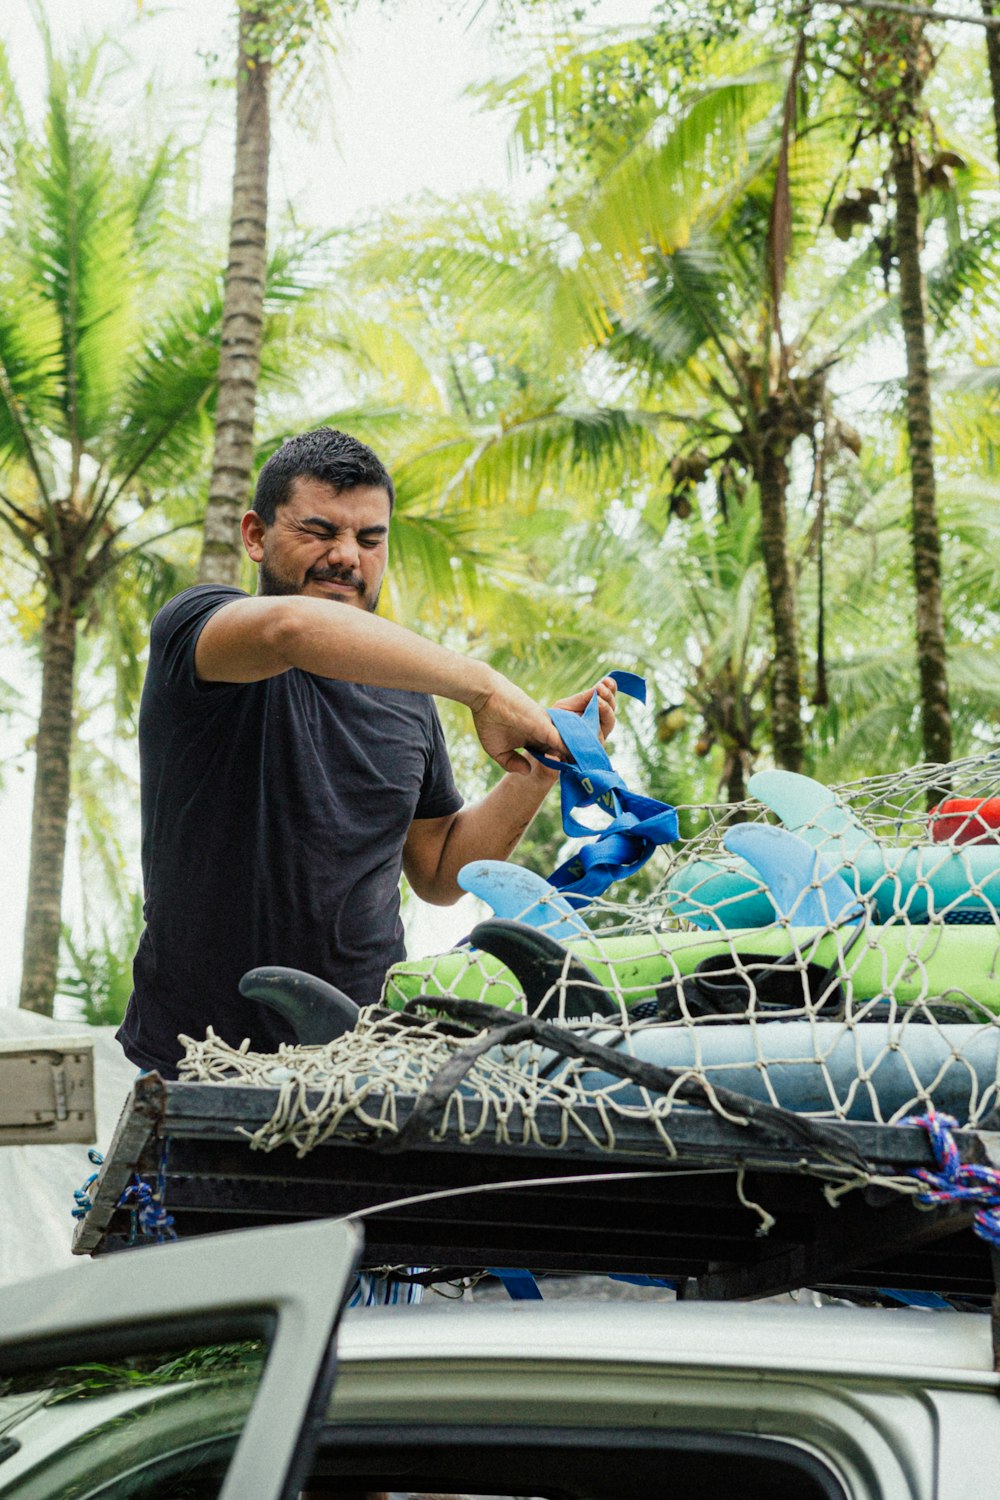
955, 1182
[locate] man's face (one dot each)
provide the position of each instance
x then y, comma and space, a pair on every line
324, 543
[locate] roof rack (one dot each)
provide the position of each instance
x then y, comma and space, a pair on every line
729, 1214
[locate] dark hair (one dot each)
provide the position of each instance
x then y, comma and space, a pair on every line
334, 458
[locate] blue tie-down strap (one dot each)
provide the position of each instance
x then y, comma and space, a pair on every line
81, 1195
638, 824
519, 1285
633, 1280
927, 1301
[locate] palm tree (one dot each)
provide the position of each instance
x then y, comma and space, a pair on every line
892, 61
642, 216
108, 356
270, 33
243, 306
682, 200
992, 30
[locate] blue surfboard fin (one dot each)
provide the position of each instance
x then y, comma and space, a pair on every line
814, 812
804, 886
519, 895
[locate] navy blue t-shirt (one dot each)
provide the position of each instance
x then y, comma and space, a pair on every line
273, 820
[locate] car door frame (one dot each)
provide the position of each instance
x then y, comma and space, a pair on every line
285, 1283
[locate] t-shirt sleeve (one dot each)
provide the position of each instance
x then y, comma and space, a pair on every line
174, 636
439, 795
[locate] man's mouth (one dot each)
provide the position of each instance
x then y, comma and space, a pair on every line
338, 583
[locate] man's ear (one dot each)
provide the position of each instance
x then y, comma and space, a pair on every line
252, 530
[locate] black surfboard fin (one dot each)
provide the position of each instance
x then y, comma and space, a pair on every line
316, 1011
547, 972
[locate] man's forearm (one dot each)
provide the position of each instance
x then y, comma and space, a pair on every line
262, 637
253, 639
492, 828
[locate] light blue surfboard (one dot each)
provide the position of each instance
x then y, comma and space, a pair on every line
869, 1071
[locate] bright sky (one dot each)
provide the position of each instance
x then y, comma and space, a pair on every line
392, 98
390, 123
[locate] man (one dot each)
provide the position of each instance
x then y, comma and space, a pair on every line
292, 762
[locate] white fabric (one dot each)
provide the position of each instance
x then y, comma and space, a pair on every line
37, 1182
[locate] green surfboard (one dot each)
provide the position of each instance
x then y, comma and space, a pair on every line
908, 963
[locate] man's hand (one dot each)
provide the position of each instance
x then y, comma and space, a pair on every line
607, 692
507, 720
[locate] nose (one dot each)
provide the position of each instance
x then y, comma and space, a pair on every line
343, 551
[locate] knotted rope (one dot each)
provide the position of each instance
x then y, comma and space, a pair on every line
958, 1182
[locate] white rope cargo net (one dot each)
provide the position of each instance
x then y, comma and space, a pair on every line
832, 954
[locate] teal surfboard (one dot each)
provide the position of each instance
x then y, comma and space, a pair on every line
919, 881
914, 882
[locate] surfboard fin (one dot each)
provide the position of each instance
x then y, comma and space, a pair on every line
519, 895
804, 887
316, 1011
557, 986
814, 812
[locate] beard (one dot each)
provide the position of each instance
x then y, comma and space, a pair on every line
271, 582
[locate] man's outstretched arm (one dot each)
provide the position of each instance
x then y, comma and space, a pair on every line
253, 639
437, 848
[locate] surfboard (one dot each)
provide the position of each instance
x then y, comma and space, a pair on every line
919, 880
907, 963
915, 882
874, 1072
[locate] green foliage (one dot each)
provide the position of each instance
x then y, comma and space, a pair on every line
568, 391
241, 1360
279, 30
97, 970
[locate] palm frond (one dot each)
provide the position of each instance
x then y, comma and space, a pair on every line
649, 201
968, 271
31, 371
82, 253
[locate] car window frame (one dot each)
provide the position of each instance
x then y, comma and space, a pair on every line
363, 1438
287, 1284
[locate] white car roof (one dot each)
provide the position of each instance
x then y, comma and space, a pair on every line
937, 1348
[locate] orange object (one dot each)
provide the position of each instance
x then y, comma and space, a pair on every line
966, 820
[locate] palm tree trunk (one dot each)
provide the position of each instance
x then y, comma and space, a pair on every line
935, 709
734, 777
993, 62
242, 316
49, 812
786, 679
